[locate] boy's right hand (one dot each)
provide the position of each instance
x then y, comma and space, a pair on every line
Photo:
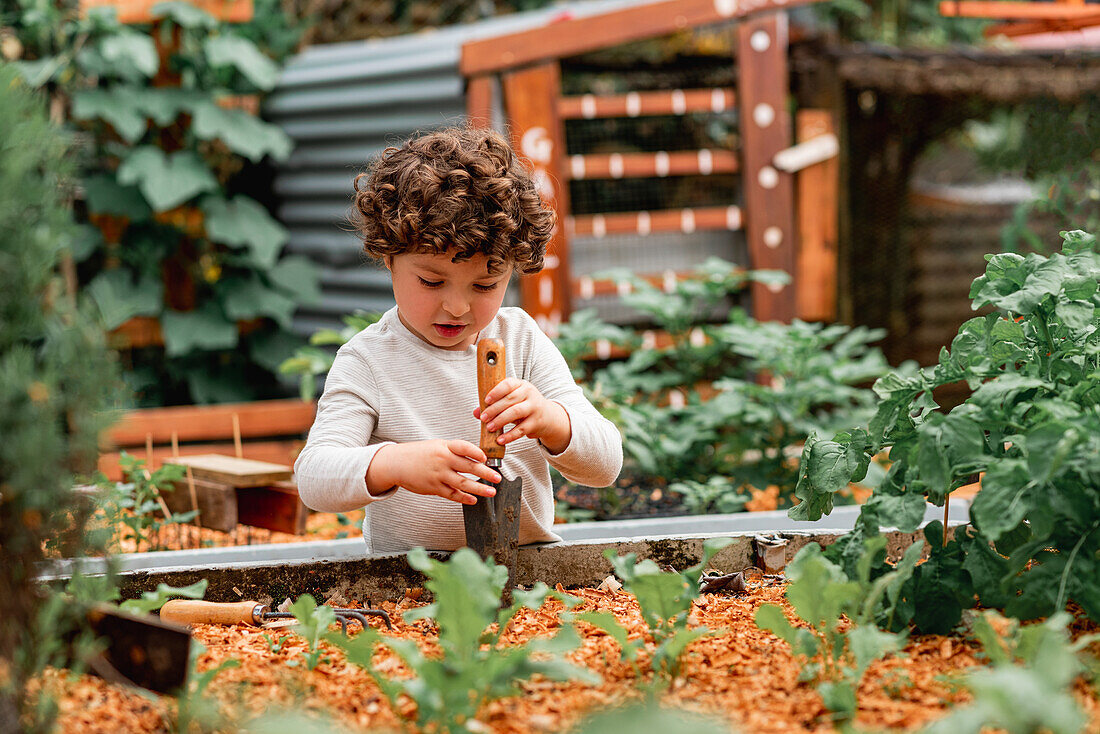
432, 467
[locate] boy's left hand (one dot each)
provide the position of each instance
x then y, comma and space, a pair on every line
519, 402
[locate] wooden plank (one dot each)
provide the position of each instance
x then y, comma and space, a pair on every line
586, 287
217, 503
276, 452
261, 418
1015, 10
636, 104
141, 11
660, 164
479, 101
588, 33
233, 471
537, 135
276, 507
766, 130
817, 224
659, 220
1031, 28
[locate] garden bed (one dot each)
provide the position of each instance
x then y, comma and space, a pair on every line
742, 674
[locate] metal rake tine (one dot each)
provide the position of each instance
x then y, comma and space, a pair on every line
359, 614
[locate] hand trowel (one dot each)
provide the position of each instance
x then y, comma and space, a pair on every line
492, 525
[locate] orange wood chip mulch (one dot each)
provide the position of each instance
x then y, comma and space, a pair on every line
741, 674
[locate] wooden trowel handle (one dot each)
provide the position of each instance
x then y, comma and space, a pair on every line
490, 371
191, 611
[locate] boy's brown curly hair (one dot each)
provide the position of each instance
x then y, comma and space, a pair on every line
460, 190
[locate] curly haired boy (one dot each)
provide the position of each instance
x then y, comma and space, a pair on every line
452, 215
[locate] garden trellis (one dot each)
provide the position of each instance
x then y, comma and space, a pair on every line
528, 64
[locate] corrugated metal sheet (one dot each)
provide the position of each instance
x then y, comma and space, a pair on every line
343, 104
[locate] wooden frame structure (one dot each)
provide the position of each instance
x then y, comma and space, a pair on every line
1028, 18
527, 65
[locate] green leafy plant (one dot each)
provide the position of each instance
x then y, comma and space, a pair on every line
151, 601
178, 235
473, 668
728, 399
822, 595
1028, 684
1030, 429
717, 494
132, 509
57, 382
665, 599
313, 622
311, 362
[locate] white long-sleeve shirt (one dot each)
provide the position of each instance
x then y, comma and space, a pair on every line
389, 386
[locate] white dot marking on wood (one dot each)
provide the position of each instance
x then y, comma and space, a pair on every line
603, 349
588, 106
576, 167
633, 104
546, 291
687, 221
733, 218
775, 287
615, 165
697, 338
768, 177
773, 237
644, 223
623, 288
718, 100
599, 226
760, 41
679, 102
587, 287
661, 164
706, 162
725, 8
649, 339
763, 114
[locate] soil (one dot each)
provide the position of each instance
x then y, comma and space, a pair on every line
742, 675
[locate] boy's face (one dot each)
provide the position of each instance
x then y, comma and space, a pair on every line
446, 304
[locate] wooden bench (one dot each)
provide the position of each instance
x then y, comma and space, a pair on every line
270, 431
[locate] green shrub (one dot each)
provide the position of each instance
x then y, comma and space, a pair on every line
56, 379
1031, 428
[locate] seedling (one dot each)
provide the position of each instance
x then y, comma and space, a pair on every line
450, 689
822, 595
313, 622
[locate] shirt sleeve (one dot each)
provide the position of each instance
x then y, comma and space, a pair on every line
331, 471
594, 456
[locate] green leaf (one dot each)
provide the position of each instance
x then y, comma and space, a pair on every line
118, 106
249, 298
1003, 502
105, 195
1076, 315
36, 73
151, 601
771, 618
244, 56
649, 717
166, 181
838, 697
244, 222
298, 276
128, 48
185, 14
120, 299
243, 133
205, 328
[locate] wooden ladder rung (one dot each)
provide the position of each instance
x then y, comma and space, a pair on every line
1017, 10
586, 286
636, 104
644, 165
667, 220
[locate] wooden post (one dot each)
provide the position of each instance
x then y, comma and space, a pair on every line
479, 101
530, 99
766, 130
816, 269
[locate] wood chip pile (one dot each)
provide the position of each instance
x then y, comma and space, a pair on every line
742, 674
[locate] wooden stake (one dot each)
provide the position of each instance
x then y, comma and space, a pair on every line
149, 476
237, 436
946, 506
190, 481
